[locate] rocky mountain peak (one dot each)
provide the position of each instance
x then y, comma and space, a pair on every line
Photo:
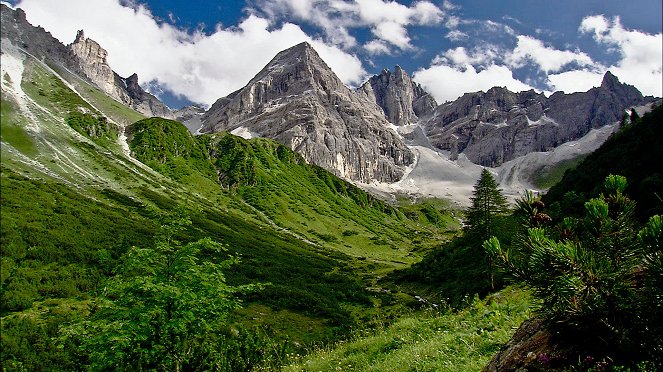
496, 126
625, 93
610, 81
402, 100
132, 81
299, 101
80, 37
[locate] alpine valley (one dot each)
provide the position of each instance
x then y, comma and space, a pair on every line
296, 224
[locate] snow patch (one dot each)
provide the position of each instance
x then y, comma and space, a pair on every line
244, 132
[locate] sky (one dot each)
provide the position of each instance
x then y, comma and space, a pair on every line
198, 51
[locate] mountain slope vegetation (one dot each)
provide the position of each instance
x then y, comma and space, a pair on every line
73, 204
634, 152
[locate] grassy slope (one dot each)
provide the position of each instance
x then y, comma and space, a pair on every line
72, 207
450, 341
295, 196
547, 177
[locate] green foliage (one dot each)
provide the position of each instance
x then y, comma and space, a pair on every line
49, 91
487, 203
549, 175
96, 128
236, 162
50, 241
457, 270
593, 273
13, 131
162, 309
634, 152
169, 147
436, 341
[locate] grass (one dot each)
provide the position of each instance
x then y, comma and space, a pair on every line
450, 341
116, 111
319, 242
548, 176
12, 129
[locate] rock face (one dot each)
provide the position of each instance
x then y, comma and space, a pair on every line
34, 40
402, 100
91, 59
84, 57
496, 126
299, 101
190, 116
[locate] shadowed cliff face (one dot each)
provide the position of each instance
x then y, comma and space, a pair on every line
496, 126
299, 101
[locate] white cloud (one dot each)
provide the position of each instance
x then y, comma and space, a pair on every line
455, 35
641, 53
387, 20
447, 83
481, 55
548, 59
575, 80
377, 47
201, 67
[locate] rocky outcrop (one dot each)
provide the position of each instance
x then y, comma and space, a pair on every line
402, 100
190, 116
91, 59
34, 40
84, 57
496, 126
299, 101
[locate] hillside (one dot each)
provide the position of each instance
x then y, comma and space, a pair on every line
634, 152
73, 203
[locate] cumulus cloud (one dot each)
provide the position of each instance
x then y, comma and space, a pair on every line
201, 67
446, 83
546, 58
455, 35
478, 67
482, 55
575, 80
641, 53
387, 20
377, 47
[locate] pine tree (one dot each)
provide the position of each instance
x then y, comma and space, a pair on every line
488, 203
597, 274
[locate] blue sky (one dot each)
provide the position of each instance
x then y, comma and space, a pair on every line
198, 51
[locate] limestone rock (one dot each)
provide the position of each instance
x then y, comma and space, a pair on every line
498, 125
298, 100
402, 100
91, 59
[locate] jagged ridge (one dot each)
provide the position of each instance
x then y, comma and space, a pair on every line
299, 101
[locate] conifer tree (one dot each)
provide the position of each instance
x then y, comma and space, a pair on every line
488, 203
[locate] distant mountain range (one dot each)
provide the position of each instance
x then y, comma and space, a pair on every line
375, 134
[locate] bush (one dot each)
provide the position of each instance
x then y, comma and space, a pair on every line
596, 275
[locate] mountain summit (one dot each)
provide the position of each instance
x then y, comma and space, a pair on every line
299, 101
497, 126
402, 100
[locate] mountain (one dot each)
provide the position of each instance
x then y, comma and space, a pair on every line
298, 100
75, 200
402, 100
497, 126
91, 58
84, 57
